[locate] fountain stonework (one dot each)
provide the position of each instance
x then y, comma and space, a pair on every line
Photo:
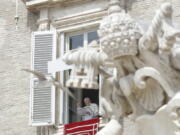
140, 73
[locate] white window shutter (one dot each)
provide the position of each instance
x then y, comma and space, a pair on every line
42, 97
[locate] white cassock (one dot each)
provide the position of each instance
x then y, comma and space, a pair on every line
88, 112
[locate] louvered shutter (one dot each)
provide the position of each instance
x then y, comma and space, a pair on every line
42, 97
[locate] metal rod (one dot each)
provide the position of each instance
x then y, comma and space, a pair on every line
16, 15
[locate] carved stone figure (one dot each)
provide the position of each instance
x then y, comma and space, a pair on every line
84, 73
142, 90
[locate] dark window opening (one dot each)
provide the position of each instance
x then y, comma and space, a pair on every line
92, 36
76, 41
81, 94
92, 94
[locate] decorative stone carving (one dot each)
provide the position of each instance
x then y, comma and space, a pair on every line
141, 95
175, 56
161, 33
86, 62
118, 33
145, 72
164, 122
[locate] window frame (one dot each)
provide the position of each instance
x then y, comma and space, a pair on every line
64, 47
85, 37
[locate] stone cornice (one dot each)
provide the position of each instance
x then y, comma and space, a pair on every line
37, 4
79, 19
33, 3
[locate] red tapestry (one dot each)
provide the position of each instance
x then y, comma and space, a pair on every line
88, 127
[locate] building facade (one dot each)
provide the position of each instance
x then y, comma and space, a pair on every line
46, 30
15, 55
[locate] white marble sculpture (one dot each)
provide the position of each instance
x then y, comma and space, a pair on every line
140, 87
141, 94
86, 63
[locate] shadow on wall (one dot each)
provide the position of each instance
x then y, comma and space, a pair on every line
32, 18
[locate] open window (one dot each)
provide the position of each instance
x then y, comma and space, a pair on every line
75, 41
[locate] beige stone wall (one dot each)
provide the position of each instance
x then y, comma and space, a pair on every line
146, 9
70, 9
14, 55
140, 10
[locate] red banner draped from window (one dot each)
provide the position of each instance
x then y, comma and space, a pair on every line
88, 127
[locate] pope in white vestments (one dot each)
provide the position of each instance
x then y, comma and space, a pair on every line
89, 111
